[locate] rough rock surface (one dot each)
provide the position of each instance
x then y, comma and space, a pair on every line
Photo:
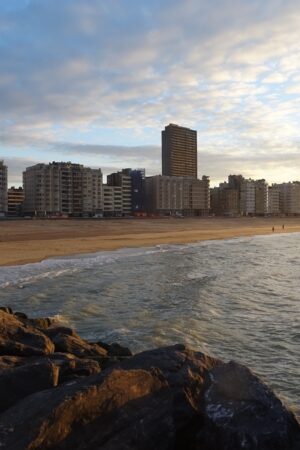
162, 399
17, 338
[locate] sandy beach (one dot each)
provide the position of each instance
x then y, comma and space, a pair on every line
24, 241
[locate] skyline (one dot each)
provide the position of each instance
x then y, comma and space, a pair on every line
96, 84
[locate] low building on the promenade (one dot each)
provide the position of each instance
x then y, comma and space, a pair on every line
15, 199
3, 189
62, 188
177, 196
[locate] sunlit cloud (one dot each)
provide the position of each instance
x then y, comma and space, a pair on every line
95, 82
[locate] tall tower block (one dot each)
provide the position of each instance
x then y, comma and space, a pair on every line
179, 151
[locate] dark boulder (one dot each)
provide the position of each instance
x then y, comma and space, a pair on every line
21, 315
60, 418
115, 349
54, 330
71, 367
41, 322
19, 339
169, 398
18, 382
77, 346
6, 309
241, 412
8, 362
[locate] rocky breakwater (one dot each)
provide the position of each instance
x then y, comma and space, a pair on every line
58, 391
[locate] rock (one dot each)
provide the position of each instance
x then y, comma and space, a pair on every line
19, 339
20, 315
6, 309
170, 398
241, 412
41, 322
18, 382
118, 350
8, 362
115, 349
71, 368
77, 346
60, 418
54, 330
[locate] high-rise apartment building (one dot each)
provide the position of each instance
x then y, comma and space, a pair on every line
62, 188
3, 189
179, 151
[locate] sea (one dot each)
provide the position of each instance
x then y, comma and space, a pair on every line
236, 299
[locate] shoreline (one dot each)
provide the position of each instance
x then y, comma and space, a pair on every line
24, 242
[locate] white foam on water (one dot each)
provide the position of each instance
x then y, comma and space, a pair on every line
23, 275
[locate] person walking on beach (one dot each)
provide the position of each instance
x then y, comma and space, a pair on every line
283, 226
273, 229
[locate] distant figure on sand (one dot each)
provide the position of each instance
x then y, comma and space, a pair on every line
283, 226
273, 229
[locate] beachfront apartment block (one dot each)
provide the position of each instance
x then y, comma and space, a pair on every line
15, 199
179, 151
224, 200
112, 201
273, 200
240, 196
123, 180
3, 189
289, 198
177, 196
62, 188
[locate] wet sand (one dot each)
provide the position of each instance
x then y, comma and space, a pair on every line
24, 241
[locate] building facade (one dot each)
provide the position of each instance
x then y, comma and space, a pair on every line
123, 180
61, 188
289, 198
15, 199
179, 151
261, 198
225, 201
112, 201
3, 189
273, 200
177, 196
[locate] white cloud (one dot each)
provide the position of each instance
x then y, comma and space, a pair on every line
228, 68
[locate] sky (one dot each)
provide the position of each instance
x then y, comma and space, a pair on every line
94, 82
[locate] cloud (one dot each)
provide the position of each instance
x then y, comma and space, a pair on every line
102, 79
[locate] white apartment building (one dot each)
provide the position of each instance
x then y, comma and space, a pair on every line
273, 200
112, 201
3, 189
166, 195
123, 180
261, 197
61, 188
